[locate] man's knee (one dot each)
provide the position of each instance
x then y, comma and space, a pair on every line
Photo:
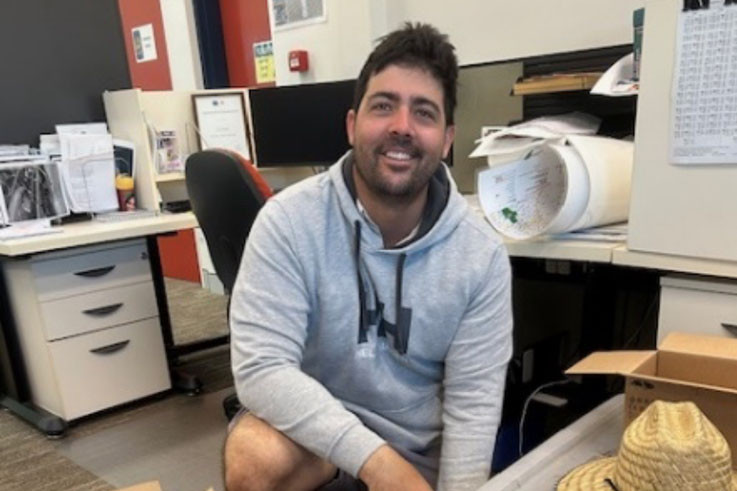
256, 458
259, 458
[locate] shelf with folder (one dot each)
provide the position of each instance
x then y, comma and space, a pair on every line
557, 82
136, 115
170, 177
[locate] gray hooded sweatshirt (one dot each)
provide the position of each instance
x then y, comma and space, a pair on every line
344, 345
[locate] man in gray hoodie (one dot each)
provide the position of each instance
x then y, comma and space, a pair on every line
371, 318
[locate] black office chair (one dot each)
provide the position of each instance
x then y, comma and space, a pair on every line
226, 193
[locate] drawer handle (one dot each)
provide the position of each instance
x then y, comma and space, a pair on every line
110, 348
732, 328
101, 311
94, 273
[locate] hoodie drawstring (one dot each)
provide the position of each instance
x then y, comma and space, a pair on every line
363, 315
401, 336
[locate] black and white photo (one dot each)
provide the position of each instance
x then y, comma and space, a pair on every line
30, 191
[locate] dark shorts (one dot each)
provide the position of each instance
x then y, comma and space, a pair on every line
342, 481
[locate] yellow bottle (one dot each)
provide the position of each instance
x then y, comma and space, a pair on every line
126, 196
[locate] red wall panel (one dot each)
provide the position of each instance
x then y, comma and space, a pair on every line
244, 23
149, 75
179, 256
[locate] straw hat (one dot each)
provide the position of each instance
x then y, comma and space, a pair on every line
670, 446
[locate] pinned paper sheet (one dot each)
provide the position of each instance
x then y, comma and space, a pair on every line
703, 110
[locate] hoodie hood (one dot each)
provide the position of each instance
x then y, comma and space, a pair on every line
444, 210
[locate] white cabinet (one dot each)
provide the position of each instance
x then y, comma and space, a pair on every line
697, 305
674, 209
88, 327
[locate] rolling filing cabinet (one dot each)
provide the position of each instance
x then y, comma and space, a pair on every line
697, 305
88, 327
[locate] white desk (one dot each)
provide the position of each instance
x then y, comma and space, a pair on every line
562, 249
92, 232
622, 256
609, 252
547, 248
594, 435
617, 253
85, 321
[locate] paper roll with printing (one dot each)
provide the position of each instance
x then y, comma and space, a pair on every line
570, 184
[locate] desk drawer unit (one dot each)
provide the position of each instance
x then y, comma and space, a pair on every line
109, 367
88, 327
92, 311
697, 305
59, 275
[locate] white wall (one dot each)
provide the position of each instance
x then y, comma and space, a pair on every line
181, 44
337, 48
491, 30
481, 30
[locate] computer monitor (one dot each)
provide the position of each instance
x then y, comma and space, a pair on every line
300, 124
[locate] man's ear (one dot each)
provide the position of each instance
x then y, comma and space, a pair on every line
350, 125
450, 134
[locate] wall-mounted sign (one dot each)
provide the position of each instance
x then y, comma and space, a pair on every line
263, 59
144, 44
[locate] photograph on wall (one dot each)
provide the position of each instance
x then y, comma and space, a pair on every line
31, 191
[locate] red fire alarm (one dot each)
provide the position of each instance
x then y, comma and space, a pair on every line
298, 61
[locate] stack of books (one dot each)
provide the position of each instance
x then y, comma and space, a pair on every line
556, 82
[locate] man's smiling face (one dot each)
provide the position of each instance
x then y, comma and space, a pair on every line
399, 133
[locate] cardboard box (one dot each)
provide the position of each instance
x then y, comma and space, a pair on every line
686, 367
147, 486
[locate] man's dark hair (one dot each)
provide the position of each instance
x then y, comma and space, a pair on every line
414, 46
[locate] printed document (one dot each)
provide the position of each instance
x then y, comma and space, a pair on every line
703, 126
516, 142
88, 170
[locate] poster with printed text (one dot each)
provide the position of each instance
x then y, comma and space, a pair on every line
144, 44
263, 58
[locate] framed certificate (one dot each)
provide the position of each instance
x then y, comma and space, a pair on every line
220, 120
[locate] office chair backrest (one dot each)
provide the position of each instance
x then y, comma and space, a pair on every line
226, 192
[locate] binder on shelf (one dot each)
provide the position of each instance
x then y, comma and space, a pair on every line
557, 82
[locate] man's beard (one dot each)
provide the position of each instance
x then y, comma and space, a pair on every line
367, 165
